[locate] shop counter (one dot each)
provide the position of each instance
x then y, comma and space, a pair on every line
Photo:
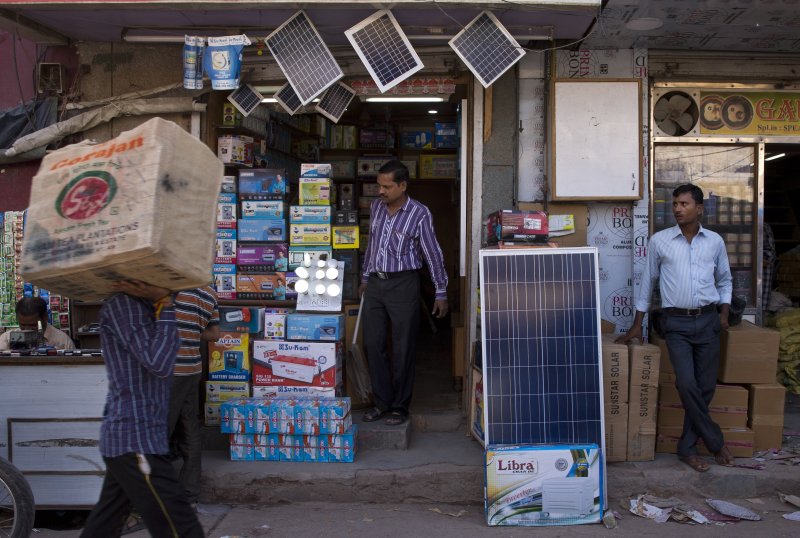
51, 408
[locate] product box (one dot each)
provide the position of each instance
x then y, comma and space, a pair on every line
297, 363
261, 287
228, 184
642, 401
515, 225
445, 135
235, 149
748, 354
346, 196
728, 408
275, 323
263, 209
615, 372
242, 319
310, 214
367, 167
567, 478
767, 435
345, 218
438, 166
224, 277
766, 399
221, 391
232, 415
262, 230
226, 210
334, 416
310, 234
370, 189
315, 253
417, 139
229, 358
293, 391
327, 327
229, 113
616, 432
374, 138
345, 237
342, 448
738, 440
343, 169
262, 184
316, 170
225, 246
241, 446
262, 259
291, 279
211, 413
476, 405
315, 191
577, 237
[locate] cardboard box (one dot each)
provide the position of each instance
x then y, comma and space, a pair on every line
224, 280
290, 391
316, 170
263, 209
225, 246
767, 435
262, 230
766, 399
367, 167
513, 225
241, 319
260, 259
345, 237
616, 432
738, 440
445, 135
345, 218
310, 214
346, 196
319, 327
310, 234
228, 184
643, 399
262, 184
315, 191
315, 253
222, 391
211, 413
261, 287
580, 219
748, 354
325, 372
728, 408
229, 358
615, 372
438, 166
235, 149
417, 139
226, 211
547, 472
343, 169
275, 322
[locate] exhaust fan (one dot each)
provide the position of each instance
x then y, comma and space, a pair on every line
675, 112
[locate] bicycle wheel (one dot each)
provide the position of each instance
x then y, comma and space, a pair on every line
17, 509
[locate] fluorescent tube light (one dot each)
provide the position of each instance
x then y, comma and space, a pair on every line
405, 99
778, 156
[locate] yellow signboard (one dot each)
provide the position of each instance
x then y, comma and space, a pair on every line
750, 113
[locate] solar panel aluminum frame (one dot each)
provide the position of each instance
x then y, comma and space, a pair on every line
366, 22
506, 33
327, 113
488, 354
233, 97
305, 99
286, 106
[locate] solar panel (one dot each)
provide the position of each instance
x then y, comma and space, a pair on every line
542, 358
487, 48
335, 100
303, 57
288, 99
384, 48
246, 99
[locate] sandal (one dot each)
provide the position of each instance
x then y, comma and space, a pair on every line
396, 418
133, 523
724, 457
372, 415
695, 463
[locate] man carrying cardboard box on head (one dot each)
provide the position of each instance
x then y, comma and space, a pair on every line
690, 264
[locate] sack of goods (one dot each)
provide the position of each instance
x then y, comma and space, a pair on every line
140, 206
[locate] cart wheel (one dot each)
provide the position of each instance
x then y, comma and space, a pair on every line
17, 509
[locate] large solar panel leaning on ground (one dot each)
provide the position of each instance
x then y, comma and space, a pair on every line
334, 101
385, 50
542, 374
288, 99
487, 48
303, 57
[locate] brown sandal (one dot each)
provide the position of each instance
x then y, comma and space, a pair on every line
724, 457
695, 463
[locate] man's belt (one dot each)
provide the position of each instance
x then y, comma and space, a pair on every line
386, 276
692, 312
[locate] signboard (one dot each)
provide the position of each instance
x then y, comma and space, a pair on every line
750, 113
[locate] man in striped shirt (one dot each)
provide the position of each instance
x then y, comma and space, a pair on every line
401, 237
140, 342
690, 264
197, 316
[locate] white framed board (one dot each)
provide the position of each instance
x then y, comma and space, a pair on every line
596, 139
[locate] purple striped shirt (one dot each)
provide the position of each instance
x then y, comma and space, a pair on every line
139, 353
399, 242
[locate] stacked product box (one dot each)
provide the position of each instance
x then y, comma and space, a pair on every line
262, 256
298, 367
310, 221
314, 429
224, 269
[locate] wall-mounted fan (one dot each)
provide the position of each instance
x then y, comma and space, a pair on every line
676, 113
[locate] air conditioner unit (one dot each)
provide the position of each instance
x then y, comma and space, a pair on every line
568, 497
676, 112
49, 78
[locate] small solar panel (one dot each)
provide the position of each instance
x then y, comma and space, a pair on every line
246, 99
542, 358
384, 48
487, 48
335, 100
288, 99
303, 57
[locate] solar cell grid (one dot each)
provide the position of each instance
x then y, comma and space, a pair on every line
335, 100
487, 48
288, 99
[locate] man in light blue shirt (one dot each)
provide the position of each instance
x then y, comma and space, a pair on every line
690, 264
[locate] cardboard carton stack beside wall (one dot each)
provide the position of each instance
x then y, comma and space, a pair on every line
765, 414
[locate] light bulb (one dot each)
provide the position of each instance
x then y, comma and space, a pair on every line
302, 272
320, 263
332, 273
333, 263
301, 286
320, 274
333, 290
306, 260
320, 289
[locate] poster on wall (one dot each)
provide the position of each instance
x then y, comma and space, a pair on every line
749, 113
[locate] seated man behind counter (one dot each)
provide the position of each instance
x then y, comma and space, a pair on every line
31, 310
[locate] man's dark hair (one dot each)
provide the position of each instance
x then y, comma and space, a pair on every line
397, 169
694, 190
28, 306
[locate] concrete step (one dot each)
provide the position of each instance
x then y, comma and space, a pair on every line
438, 421
378, 436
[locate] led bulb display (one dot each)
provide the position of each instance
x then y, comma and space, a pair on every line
306, 260
321, 263
320, 274
320, 289
333, 290
301, 286
332, 273
301, 272
333, 263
